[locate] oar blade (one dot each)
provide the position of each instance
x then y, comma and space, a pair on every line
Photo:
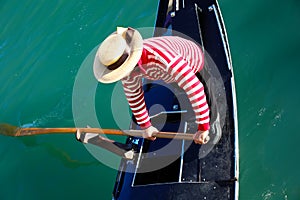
9, 130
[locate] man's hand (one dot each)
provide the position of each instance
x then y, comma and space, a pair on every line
149, 133
84, 137
201, 137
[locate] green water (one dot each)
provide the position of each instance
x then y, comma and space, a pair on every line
43, 45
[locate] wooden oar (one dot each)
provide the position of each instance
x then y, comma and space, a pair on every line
9, 130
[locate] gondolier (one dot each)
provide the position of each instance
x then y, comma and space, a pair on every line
125, 56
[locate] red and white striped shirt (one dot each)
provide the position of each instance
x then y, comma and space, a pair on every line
171, 59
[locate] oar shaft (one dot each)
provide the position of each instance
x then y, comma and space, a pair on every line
135, 133
40, 131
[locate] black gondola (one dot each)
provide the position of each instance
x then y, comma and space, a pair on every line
179, 169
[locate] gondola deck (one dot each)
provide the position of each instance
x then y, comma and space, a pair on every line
178, 169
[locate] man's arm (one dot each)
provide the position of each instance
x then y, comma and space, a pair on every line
194, 89
135, 97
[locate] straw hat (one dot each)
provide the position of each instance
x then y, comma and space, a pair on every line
118, 54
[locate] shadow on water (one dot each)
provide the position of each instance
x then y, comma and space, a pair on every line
54, 151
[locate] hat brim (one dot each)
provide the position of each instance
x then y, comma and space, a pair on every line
105, 75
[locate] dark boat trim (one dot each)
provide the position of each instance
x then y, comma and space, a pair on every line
223, 33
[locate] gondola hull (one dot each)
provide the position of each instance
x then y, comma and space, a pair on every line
177, 169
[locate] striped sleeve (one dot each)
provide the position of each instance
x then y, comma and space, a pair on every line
135, 97
194, 89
